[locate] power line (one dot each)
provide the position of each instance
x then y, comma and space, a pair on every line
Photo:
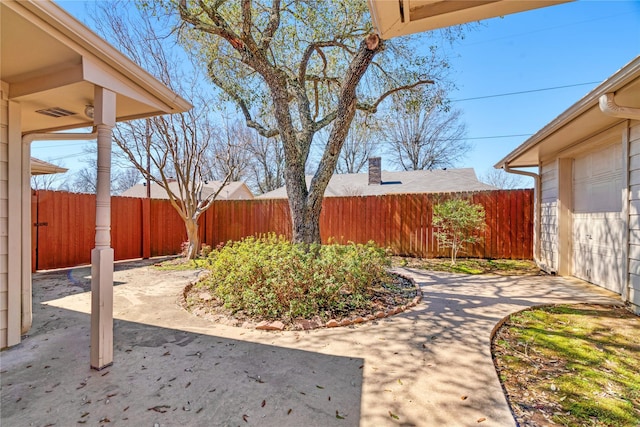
523, 92
498, 136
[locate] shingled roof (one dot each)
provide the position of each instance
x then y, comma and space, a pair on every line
424, 181
236, 190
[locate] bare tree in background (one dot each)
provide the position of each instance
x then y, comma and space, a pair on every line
267, 163
359, 145
170, 150
422, 135
505, 181
229, 154
126, 179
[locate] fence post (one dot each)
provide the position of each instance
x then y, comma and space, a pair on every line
146, 228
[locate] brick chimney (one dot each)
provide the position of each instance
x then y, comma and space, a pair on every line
375, 170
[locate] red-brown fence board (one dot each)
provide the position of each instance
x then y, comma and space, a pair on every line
127, 227
64, 224
167, 228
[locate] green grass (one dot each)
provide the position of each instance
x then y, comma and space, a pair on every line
471, 265
590, 355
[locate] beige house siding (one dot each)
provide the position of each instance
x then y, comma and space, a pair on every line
4, 213
549, 217
634, 215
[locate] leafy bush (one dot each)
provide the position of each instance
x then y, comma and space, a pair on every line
271, 277
458, 221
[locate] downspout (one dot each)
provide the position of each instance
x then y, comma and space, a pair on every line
27, 139
537, 203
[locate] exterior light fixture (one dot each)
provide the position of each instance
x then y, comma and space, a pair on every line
88, 111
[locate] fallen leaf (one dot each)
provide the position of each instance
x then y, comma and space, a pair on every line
264, 402
160, 408
245, 418
338, 416
481, 419
199, 410
319, 386
84, 415
289, 411
399, 381
188, 384
167, 354
125, 409
394, 416
463, 397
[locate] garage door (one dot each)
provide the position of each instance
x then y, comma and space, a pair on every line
598, 228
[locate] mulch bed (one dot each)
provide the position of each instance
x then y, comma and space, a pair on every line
386, 301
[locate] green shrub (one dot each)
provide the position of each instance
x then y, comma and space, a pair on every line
458, 222
271, 277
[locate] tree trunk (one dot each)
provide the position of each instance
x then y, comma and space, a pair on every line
194, 239
305, 206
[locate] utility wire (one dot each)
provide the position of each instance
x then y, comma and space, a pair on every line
523, 91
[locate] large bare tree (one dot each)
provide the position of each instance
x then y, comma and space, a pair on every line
308, 64
170, 150
422, 134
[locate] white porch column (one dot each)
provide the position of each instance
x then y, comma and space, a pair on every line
102, 255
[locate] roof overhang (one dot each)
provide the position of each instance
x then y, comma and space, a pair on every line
579, 122
49, 60
40, 167
393, 18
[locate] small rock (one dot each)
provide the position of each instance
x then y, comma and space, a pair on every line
333, 323
345, 322
203, 275
358, 319
416, 300
380, 314
270, 326
553, 387
306, 324
205, 296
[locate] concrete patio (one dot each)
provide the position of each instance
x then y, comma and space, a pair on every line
429, 366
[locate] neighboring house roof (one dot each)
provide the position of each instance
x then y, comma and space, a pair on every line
427, 181
582, 120
52, 63
236, 190
40, 167
397, 18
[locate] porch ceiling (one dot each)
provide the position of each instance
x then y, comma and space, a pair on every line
50, 60
393, 18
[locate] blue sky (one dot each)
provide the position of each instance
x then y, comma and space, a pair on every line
563, 45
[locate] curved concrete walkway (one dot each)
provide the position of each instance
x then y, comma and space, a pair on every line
429, 366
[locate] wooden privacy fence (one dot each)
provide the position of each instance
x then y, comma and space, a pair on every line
64, 224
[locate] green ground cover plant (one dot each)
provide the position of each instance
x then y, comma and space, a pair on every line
272, 278
572, 365
505, 267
